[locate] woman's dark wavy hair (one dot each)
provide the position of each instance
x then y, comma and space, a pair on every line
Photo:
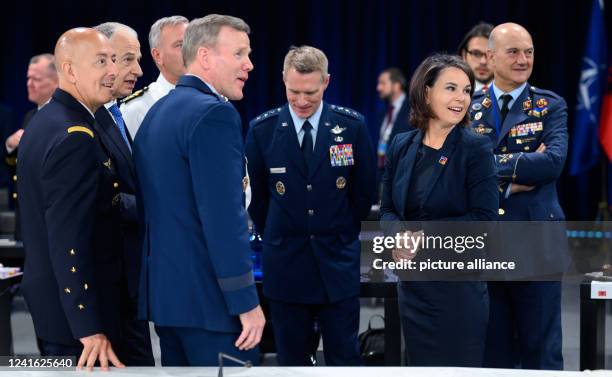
425, 76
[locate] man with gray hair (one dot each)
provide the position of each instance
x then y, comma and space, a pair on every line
313, 180
198, 279
166, 42
135, 348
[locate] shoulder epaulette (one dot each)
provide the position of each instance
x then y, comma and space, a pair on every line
544, 92
136, 94
81, 129
346, 112
267, 115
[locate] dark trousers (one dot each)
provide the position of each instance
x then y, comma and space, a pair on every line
444, 323
188, 346
525, 326
135, 348
294, 332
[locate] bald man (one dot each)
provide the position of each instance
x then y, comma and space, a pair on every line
528, 125
70, 212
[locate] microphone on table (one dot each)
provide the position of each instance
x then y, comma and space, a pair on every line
246, 364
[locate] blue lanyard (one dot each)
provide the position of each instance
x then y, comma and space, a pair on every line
496, 113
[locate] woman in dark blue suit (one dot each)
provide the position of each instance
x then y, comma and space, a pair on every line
441, 171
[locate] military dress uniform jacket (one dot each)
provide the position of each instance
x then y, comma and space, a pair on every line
310, 219
70, 222
537, 116
197, 269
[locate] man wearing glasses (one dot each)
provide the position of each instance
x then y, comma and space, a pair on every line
473, 49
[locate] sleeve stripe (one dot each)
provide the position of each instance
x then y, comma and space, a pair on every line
236, 282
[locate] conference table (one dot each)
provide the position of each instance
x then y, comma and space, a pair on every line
308, 372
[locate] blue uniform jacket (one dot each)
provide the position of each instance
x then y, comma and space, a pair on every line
70, 223
196, 269
537, 116
310, 220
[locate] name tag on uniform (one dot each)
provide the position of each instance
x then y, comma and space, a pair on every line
282, 170
341, 155
526, 129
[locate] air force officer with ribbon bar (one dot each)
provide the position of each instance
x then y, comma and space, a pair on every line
529, 128
312, 175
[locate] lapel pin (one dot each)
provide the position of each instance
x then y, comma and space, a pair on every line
442, 161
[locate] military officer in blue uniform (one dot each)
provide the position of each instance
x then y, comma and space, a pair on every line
312, 171
528, 125
197, 281
70, 209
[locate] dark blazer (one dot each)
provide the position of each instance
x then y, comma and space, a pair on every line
462, 189
197, 269
70, 225
401, 122
310, 220
122, 157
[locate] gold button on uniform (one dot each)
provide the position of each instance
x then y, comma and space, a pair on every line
67, 290
73, 269
72, 252
115, 185
85, 286
501, 211
81, 306
14, 195
15, 178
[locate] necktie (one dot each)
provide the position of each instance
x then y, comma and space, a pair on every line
114, 110
506, 98
307, 143
389, 114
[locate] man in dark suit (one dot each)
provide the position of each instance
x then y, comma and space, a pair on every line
41, 83
528, 125
70, 209
391, 89
136, 347
197, 280
313, 180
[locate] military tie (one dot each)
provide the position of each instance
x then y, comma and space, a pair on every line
114, 110
506, 98
307, 144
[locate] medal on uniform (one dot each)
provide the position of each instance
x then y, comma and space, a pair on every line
341, 182
527, 104
280, 188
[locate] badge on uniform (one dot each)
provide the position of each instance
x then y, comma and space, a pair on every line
280, 188
107, 163
477, 106
341, 183
481, 129
527, 104
442, 161
486, 102
338, 130
478, 115
282, 170
341, 155
338, 139
526, 129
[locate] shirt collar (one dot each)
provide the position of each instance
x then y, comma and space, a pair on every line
46, 102
164, 84
313, 119
109, 104
398, 102
514, 93
87, 108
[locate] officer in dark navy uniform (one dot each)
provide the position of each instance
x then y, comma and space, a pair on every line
312, 171
528, 125
70, 209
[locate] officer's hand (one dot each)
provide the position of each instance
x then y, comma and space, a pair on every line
12, 141
516, 188
97, 347
253, 323
541, 148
